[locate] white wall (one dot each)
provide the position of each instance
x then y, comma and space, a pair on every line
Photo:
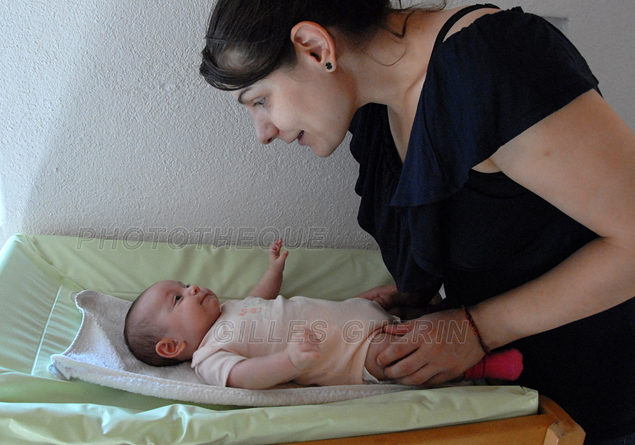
106, 128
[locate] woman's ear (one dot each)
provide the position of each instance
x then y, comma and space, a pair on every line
315, 44
170, 348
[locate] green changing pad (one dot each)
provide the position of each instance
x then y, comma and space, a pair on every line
39, 276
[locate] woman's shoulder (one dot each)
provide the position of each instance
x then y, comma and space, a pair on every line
500, 30
475, 13
487, 83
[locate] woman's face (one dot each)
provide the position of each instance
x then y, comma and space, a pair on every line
306, 103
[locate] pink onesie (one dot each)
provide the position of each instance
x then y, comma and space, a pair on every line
255, 327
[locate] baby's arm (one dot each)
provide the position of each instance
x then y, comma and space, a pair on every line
301, 353
269, 285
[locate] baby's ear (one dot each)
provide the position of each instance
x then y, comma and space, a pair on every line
170, 348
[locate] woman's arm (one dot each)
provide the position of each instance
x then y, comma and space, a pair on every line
582, 160
406, 306
269, 285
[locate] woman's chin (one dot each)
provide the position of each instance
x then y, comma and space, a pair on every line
323, 150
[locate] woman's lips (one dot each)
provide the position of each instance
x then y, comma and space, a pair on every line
300, 138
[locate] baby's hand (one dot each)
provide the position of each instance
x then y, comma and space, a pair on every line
276, 257
303, 349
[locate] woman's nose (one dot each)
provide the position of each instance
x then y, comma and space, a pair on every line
266, 132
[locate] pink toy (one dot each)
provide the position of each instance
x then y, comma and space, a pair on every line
504, 365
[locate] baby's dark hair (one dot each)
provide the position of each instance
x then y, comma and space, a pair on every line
142, 334
249, 39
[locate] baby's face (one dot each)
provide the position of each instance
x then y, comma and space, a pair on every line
185, 312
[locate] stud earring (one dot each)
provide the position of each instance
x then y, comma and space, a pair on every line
329, 66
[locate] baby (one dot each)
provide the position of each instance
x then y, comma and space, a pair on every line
263, 340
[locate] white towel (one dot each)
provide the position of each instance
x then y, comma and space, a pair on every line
99, 355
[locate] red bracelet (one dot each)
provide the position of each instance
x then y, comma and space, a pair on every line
475, 330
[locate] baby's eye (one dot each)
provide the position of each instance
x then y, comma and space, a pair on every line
177, 298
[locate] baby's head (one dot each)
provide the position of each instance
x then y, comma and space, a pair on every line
167, 322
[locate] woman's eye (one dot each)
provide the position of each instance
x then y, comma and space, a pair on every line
259, 102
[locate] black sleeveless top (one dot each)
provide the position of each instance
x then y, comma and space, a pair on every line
437, 221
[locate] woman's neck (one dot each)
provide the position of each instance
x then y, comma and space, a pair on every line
391, 70
389, 67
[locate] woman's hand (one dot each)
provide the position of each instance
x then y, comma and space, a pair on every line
406, 306
431, 350
385, 296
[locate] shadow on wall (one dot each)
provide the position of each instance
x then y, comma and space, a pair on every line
122, 109
2, 210
36, 58
140, 143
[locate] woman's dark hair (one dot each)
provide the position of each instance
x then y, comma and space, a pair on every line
249, 39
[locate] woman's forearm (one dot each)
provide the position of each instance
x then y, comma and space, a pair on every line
581, 159
597, 277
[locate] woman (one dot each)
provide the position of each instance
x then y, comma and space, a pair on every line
489, 162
